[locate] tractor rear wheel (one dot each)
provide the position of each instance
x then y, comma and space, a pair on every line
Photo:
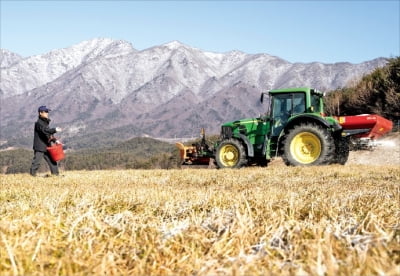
307, 145
230, 154
342, 150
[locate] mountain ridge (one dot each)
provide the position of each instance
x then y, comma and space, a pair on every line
163, 91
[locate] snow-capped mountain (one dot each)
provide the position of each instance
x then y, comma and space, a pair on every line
8, 58
164, 91
32, 72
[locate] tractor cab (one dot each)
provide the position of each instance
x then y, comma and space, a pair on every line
286, 104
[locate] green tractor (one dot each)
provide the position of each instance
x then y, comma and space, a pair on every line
295, 128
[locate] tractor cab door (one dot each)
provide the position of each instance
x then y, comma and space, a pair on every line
284, 106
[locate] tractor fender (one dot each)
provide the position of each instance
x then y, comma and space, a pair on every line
311, 118
308, 118
250, 149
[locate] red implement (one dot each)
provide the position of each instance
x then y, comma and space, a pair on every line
375, 125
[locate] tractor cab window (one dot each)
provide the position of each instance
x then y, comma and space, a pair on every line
315, 103
283, 107
299, 105
280, 106
288, 104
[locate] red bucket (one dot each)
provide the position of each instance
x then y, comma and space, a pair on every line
56, 152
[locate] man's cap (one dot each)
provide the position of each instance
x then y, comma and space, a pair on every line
43, 108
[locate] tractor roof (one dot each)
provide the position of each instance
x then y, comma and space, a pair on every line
296, 89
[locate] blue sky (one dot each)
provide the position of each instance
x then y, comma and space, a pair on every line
298, 31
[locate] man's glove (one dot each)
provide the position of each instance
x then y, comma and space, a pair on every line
58, 129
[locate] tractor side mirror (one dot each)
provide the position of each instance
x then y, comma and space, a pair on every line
264, 94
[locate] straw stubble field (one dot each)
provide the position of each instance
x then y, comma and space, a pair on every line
330, 220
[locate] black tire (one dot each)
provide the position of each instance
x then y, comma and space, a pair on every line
230, 154
342, 150
308, 145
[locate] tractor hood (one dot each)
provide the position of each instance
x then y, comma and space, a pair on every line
249, 122
253, 128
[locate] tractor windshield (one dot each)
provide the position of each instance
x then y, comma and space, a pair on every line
284, 106
288, 104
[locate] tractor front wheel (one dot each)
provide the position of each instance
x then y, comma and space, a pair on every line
308, 144
230, 154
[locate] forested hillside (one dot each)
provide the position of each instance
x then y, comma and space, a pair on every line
377, 92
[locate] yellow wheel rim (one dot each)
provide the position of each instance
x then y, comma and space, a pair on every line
305, 148
229, 155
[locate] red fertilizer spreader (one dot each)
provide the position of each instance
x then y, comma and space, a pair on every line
366, 128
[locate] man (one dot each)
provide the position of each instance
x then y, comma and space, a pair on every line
41, 140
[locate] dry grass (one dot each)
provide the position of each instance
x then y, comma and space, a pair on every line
334, 220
